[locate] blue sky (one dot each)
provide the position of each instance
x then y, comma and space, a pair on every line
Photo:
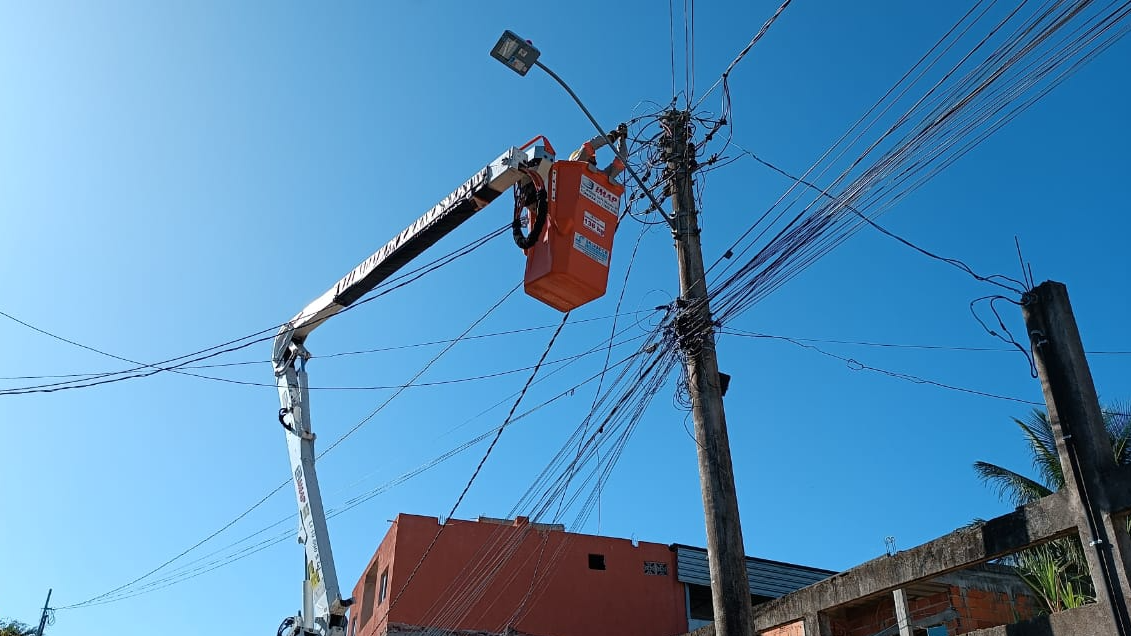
176, 176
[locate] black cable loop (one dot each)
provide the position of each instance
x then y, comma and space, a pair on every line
524, 197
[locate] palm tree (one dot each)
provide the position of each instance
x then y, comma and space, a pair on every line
1056, 571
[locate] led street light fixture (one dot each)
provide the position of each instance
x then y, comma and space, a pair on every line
515, 52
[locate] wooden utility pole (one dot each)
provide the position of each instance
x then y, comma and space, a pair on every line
730, 589
1081, 441
44, 615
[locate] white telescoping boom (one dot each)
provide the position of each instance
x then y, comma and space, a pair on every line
324, 609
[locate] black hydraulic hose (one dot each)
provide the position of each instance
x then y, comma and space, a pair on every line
538, 222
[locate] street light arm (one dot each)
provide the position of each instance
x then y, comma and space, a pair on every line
608, 141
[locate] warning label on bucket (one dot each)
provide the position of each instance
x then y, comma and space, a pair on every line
591, 249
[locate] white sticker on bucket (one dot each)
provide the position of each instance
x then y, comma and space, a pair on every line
590, 249
593, 223
599, 194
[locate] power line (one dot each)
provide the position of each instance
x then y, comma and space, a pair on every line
856, 365
194, 546
434, 383
671, 38
187, 571
609, 351
331, 447
486, 455
323, 356
891, 345
473, 580
419, 373
992, 279
149, 369
975, 97
248, 551
730, 67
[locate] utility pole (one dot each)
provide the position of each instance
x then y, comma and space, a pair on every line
1082, 443
43, 616
730, 589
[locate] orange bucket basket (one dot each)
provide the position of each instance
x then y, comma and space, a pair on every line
569, 265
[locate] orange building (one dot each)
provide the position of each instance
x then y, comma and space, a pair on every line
495, 576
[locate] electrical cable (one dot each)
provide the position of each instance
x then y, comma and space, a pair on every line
956, 113
432, 383
608, 142
531, 194
730, 67
891, 345
331, 447
876, 105
182, 553
992, 279
473, 581
671, 38
263, 545
856, 365
231, 345
803, 239
479, 467
324, 356
419, 373
196, 568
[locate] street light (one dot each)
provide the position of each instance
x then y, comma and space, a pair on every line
519, 55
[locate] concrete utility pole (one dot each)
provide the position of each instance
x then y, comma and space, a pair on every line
43, 616
1081, 441
730, 589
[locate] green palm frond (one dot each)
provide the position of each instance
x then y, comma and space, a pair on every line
1118, 425
1056, 571
1013, 487
1042, 443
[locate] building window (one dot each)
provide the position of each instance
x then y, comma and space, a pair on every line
369, 587
699, 609
656, 568
384, 590
596, 562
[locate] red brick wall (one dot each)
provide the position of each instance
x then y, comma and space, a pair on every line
789, 629
978, 609
368, 615
485, 576
972, 609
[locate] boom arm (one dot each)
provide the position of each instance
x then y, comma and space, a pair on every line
324, 610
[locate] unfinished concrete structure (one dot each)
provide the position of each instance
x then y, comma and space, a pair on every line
1093, 505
